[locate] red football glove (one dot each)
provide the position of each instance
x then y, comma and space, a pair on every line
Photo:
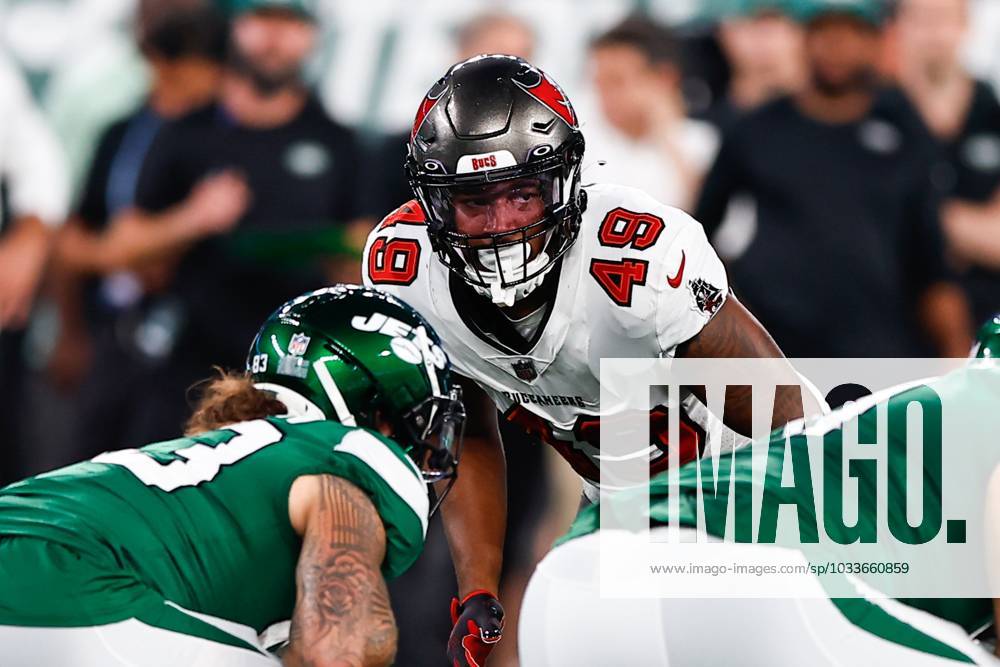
478, 621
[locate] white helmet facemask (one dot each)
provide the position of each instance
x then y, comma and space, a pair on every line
508, 263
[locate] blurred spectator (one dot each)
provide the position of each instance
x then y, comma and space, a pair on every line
103, 54
266, 173
184, 48
644, 137
495, 32
34, 193
964, 116
848, 256
763, 45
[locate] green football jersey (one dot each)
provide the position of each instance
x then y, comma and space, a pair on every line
203, 521
970, 393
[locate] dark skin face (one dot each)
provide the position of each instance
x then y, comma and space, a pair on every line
499, 207
503, 208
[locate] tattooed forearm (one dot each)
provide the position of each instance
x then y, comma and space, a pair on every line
342, 615
382, 628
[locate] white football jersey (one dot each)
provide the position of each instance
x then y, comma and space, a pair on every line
640, 279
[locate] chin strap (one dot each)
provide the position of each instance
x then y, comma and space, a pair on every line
501, 296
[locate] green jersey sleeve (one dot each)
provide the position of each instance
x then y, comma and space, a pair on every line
378, 466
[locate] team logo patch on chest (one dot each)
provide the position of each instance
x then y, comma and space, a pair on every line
307, 159
982, 152
707, 297
525, 370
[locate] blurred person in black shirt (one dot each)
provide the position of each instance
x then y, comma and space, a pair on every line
239, 202
762, 43
267, 169
963, 114
110, 344
34, 193
847, 259
270, 133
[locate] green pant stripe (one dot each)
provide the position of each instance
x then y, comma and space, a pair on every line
876, 620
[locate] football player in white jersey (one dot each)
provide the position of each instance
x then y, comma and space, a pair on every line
531, 279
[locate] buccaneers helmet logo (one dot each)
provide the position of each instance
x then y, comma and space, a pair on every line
433, 96
545, 90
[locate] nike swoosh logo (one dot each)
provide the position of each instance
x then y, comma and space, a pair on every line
675, 282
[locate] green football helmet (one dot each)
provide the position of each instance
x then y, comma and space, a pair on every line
358, 356
987, 345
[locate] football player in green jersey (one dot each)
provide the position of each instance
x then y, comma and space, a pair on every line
566, 618
300, 487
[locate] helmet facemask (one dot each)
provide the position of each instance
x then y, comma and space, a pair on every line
504, 263
433, 431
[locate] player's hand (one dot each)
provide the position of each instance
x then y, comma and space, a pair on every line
478, 626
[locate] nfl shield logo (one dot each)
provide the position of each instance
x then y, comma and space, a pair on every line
298, 345
525, 370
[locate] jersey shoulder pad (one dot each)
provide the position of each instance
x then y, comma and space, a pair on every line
653, 261
398, 250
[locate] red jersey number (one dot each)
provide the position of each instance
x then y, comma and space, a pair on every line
618, 278
622, 227
393, 261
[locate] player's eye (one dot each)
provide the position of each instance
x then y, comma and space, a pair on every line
525, 195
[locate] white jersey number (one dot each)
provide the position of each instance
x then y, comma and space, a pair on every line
196, 463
